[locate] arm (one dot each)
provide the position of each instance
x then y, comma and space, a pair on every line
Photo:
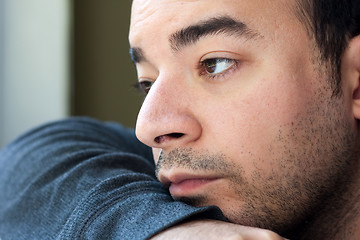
206, 229
80, 178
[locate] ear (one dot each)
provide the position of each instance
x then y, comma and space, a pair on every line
351, 74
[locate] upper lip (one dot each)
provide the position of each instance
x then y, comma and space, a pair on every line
178, 177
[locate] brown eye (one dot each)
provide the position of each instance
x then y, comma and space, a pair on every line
144, 86
210, 65
214, 66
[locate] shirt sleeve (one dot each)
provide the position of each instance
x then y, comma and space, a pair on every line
83, 179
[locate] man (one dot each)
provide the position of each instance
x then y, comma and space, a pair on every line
255, 107
251, 106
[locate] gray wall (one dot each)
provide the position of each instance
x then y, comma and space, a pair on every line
61, 58
34, 64
2, 60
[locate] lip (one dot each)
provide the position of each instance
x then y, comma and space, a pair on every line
181, 185
189, 187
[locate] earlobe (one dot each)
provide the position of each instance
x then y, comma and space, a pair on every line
351, 66
356, 101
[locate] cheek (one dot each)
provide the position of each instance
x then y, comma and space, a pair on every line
252, 125
261, 115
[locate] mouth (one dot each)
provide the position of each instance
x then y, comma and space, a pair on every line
186, 185
190, 187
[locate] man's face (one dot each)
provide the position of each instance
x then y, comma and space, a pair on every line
240, 107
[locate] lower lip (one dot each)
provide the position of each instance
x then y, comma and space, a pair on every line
189, 187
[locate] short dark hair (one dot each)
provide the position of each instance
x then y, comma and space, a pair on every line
332, 23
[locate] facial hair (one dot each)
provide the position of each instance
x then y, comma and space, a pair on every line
280, 202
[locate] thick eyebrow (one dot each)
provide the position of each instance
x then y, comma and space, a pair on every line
192, 34
136, 55
214, 26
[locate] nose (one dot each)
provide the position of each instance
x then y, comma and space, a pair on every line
167, 119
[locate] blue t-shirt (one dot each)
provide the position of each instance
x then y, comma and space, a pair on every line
83, 179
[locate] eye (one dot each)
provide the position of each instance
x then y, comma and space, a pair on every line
216, 66
144, 86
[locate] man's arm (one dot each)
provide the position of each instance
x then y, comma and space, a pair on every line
206, 229
80, 178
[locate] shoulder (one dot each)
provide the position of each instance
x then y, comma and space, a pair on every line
77, 131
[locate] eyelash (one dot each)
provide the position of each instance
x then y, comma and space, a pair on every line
143, 86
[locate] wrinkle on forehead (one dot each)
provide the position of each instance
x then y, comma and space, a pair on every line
144, 12
147, 8
142, 9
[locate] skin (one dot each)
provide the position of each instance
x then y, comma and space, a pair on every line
279, 149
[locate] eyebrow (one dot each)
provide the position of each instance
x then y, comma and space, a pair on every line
190, 35
214, 26
136, 55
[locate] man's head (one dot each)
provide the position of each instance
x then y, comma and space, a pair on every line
242, 103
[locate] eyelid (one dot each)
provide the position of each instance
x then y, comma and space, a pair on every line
220, 54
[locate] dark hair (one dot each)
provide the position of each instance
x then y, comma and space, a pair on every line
332, 23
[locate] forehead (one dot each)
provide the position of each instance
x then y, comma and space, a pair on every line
168, 16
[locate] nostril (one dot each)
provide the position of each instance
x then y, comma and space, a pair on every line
176, 135
169, 136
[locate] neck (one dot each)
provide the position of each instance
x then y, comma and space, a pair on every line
339, 216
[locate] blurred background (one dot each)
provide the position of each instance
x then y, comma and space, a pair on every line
61, 58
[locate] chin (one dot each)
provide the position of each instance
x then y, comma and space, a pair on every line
196, 201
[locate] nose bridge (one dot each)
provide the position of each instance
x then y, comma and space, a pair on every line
166, 119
